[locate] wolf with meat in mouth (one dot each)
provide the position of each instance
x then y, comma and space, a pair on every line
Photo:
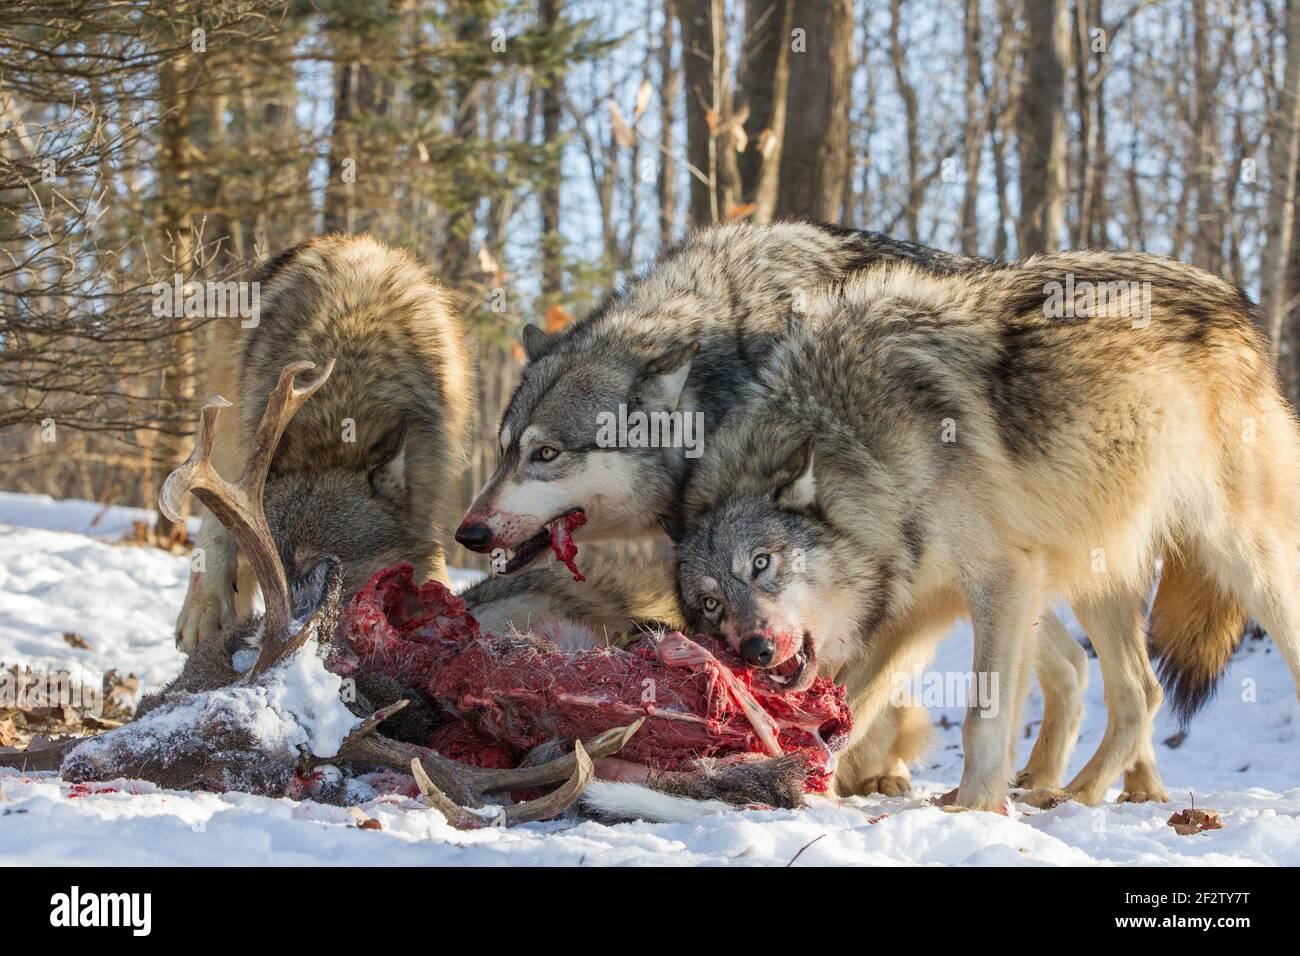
684, 339
923, 447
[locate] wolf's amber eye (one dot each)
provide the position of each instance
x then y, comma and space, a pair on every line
762, 562
711, 605
546, 453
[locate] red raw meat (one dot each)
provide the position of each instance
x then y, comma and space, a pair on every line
505, 695
562, 540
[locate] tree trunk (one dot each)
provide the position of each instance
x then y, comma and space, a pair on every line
766, 86
911, 115
1283, 155
1041, 127
548, 13
1207, 241
696, 17
974, 132
669, 91
815, 155
457, 254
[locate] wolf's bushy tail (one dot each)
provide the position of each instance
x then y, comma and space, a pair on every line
1195, 628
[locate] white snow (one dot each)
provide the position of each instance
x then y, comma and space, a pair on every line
1241, 756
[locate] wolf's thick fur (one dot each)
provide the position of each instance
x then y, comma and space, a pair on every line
683, 336
943, 445
686, 337
365, 470
619, 599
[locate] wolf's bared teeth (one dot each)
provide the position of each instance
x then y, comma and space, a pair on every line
789, 667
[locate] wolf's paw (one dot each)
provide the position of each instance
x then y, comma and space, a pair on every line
1045, 798
948, 803
203, 614
1031, 779
1143, 796
886, 785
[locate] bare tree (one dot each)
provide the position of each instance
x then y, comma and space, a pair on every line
815, 155
1041, 127
548, 15
1283, 156
1207, 241
669, 93
976, 124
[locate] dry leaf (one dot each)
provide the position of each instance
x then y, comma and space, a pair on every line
8, 733
120, 692
643, 97
766, 143
517, 353
711, 118
741, 211
557, 317
364, 822
43, 716
76, 640
623, 134
422, 150
1188, 822
486, 261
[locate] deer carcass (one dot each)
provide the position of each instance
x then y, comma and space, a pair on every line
703, 715
260, 707
255, 708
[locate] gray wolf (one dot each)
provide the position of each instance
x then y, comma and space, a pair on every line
924, 446
681, 340
363, 471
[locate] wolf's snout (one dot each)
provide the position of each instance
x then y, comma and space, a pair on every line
758, 649
476, 537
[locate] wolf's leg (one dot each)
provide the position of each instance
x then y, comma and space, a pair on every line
1004, 607
1143, 782
1062, 669
210, 601
878, 762
438, 568
245, 587
1114, 625
871, 681
1261, 572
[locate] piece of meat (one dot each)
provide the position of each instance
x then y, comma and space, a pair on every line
512, 693
562, 540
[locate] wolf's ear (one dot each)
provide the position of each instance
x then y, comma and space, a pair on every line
534, 340
386, 463
659, 388
792, 477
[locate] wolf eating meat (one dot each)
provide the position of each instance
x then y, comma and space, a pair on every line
511, 694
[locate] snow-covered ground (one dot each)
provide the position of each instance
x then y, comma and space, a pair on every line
1241, 757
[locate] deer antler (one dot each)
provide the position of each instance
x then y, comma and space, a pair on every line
458, 790
238, 505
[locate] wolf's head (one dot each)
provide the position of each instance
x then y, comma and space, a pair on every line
362, 516
763, 563
565, 447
